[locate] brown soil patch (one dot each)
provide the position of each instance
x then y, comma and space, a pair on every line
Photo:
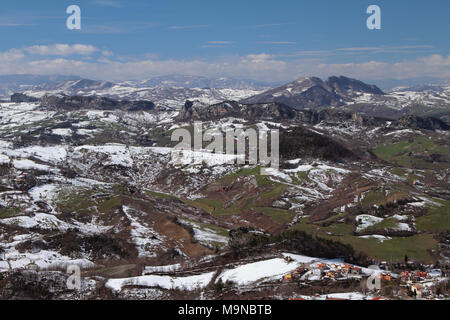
178, 236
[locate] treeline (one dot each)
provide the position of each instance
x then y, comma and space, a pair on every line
299, 143
245, 239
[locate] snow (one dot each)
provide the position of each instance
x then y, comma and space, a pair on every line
189, 157
339, 170
42, 220
346, 296
47, 154
400, 132
116, 154
5, 144
430, 202
157, 269
400, 218
257, 271
366, 221
43, 193
45, 221
161, 150
142, 234
4, 159
276, 173
403, 227
205, 235
189, 283
300, 258
87, 132
380, 238
417, 204
272, 269
43, 259
62, 132
20, 114
50, 154
29, 165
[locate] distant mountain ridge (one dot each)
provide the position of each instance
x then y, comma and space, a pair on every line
314, 93
275, 111
304, 93
20, 82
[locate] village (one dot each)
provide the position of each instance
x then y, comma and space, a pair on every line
407, 281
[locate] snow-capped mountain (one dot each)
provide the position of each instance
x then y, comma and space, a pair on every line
161, 92
10, 84
356, 96
314, 92
186, 81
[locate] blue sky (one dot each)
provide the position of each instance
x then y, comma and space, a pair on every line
259, 39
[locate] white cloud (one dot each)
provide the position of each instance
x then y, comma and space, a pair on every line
278, 42
108, 3
61, 50
385, 48
261, 66
220, 42
107, 53
198, 26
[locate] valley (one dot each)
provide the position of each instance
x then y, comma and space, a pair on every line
88, 178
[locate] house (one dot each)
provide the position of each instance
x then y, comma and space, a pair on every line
404, 275
346, 269
288, 278
356, 270
416, 289
421, 274
435, 273
299, 270
385, 276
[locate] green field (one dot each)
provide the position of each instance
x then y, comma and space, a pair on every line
416, 247
406, 153
9, 212
437, 220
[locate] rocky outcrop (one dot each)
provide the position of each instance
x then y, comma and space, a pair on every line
94, 103
267, 111
20, 97
346, 87
429, 123
279, 112
314, 93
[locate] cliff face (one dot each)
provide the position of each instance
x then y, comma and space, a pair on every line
277, 111
94, 103
414, 122
267, 111
20, 97
314, 93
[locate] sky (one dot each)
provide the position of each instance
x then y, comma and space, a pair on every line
247, 39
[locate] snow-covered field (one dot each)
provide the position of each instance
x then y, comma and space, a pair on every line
189, 283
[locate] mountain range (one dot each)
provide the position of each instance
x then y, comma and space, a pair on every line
90, 176
305, 93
